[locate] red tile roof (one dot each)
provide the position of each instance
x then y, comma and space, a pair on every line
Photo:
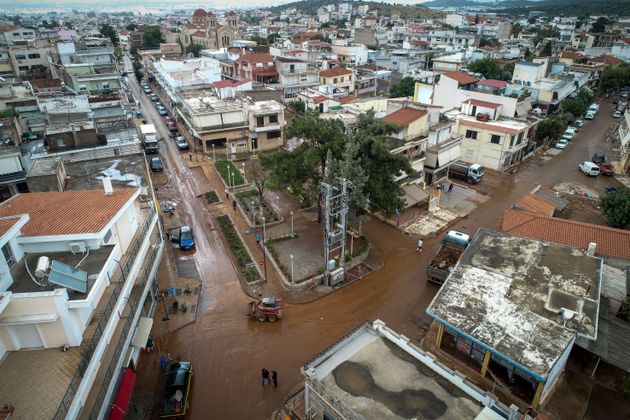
223, 84
7, 223
493, 83
335, 71
612, 242
45, 83
461, 77
405, 116
535, 204
608, 59
346, 99
319, 99
572, 55
256, 58
484, 104
200, 13
68, 212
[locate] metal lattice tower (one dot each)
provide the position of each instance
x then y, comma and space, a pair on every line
335, 224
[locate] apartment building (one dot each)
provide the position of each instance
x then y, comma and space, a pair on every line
491, 140
174, 76
29, 61
266, 125
354, 54
16, 35
295, 75
337, 81
77, 295
259, 67
365, 83
12, 165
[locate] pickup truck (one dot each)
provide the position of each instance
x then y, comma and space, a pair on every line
606, 168
453, 245
175, 402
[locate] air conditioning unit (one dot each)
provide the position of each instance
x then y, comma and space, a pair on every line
77, 247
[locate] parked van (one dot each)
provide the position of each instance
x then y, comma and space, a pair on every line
594, 108
569, 133
589, 168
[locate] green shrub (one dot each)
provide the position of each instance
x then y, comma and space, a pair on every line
224, 167
237, 249
211, 197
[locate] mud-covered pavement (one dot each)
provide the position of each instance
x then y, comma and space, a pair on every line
228, 350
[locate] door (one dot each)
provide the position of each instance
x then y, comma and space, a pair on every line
233, 144
28, 336
254, 143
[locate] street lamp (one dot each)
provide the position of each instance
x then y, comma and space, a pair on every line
292, 277
229, 179
214, 157
291, 223
233, 180
243, 164
263, 244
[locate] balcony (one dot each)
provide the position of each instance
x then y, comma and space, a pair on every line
272, 127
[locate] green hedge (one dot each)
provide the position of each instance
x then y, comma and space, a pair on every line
238, 249
212, 197
224, 167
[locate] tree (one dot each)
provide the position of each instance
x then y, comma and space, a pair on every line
616, 208
613, 77
259, 175
259, 40
549, 129
546, 51
405, 88
297, 106
322, 38
195, 49
484, 42
600, 24
578, 104
118, 53
109, 32
272, 38
152, 38
490, 69
131, 27
516, 30
528, 55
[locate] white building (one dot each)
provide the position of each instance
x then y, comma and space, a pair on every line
93, 296
174, 75
355, 54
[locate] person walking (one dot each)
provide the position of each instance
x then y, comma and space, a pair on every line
227, 193
450, 187
274, 378
258, 238
234, 205
265, 376
420, 243
163, 362
190, 155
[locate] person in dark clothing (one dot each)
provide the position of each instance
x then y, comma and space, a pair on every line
274, 378
265, 376
234, 204
450, 187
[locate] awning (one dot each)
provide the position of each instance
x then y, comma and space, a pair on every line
119, 408
142, 332
414, 195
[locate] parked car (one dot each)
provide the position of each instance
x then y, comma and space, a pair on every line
154, 97
624, 94
561, 144
589, 168
156, 164
28, 136
162, 111
171, 126
589, 116
184, 238
578, 124
617, 114
147, 90
569, 133
181, 143
606, 168
598, 158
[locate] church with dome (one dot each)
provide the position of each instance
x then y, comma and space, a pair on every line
206, 31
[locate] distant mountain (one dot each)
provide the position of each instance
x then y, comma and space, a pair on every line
384, 9
550, 7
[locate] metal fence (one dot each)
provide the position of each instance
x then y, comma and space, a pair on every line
92, 342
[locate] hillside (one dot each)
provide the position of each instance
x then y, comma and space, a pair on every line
550, 7
384, 9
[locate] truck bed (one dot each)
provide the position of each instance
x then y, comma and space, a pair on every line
447, 257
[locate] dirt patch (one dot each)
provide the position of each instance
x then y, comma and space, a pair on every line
607, 404
491, 183
575, 189
583, 204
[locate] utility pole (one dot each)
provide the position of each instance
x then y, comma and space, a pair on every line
335, 226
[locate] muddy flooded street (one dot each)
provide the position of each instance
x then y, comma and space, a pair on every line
228, 350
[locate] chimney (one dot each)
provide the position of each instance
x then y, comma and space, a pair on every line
107, 186
591, 249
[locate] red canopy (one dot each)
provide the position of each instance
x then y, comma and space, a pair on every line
124, 395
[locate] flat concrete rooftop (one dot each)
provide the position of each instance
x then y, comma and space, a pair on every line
124, 171
93, 264
509, 294
376, 374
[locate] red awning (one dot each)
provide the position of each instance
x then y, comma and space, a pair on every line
124, 395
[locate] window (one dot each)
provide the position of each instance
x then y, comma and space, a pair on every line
106, 85
259, 65
7, 252
521, 136
32, 56
273, 119
512, 140
23, 68
260, 121
496, 139
274, 134
20, 57
341, 79
471, 134
335, 81
61, 143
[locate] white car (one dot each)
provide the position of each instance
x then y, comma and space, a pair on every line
561, 144
569, 133
589, 168
589, 115
578, 124
617, 114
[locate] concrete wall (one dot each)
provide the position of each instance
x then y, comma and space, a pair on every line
445, 93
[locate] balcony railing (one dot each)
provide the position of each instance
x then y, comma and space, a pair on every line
91, 344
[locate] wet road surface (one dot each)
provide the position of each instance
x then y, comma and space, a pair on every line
228, 350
